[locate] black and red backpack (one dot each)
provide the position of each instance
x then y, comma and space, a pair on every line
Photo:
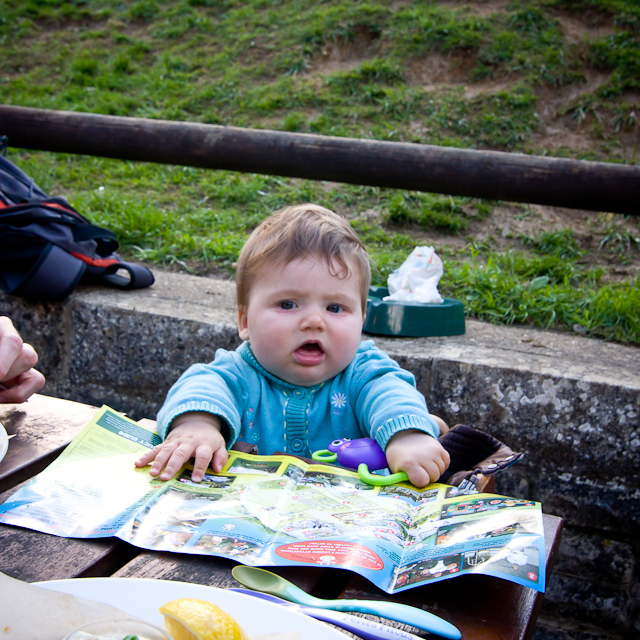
47, 247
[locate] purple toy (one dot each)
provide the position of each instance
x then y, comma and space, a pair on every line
352, 453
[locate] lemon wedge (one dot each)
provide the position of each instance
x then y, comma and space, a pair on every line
192, 619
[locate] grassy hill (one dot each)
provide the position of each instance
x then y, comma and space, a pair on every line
552, 77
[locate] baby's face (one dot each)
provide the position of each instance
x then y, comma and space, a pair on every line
304, 324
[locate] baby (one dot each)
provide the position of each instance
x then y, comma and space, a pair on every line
302, 377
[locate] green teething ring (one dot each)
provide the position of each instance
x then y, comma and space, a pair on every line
324, 455
380, 481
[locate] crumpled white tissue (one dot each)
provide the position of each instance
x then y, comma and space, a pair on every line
416, 280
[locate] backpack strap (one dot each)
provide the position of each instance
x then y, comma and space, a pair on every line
53, 277
139, 277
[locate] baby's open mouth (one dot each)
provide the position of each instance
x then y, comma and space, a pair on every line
309, 353
311, 347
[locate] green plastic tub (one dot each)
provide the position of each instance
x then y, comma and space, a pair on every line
412, 319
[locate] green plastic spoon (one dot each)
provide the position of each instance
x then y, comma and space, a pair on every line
267, 582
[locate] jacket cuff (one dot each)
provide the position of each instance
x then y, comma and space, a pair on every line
227, 431
384, 432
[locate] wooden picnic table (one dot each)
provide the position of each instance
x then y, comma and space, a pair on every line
480, 606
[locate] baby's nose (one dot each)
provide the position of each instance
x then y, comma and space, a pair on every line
313, 320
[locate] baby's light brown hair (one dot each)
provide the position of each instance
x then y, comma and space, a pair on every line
298, 232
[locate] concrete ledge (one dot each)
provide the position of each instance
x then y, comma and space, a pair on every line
571, 404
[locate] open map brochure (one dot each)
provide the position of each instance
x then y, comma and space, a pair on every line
279, 510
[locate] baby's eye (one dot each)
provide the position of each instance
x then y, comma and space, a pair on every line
335, 308
287, 304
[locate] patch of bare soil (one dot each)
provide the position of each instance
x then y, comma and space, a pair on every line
338, 56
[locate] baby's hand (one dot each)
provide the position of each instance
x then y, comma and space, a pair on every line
419, 455
196, 434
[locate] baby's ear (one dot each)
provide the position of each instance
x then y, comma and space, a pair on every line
243, 325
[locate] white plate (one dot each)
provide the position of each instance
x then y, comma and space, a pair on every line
4, 442
143, 597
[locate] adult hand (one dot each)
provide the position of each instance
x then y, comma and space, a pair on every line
18, 378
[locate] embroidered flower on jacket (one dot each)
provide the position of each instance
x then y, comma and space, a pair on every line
339, 400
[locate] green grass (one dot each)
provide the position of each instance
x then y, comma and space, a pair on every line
501, 292
272, 65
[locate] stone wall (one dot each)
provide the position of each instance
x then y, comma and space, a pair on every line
571, 404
